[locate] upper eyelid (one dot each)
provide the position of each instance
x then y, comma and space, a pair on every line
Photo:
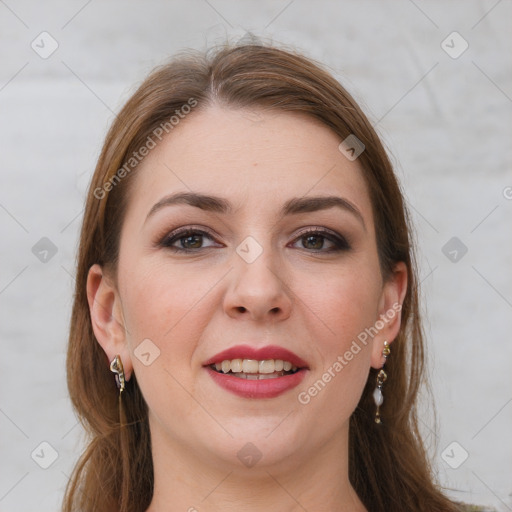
319, 229
207, 231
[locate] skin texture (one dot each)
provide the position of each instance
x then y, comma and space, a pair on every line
193, 305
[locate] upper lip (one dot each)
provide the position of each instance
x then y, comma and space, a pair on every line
260, 354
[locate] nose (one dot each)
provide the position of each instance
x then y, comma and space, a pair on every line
257, 291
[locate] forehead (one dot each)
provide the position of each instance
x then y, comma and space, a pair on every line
251, 157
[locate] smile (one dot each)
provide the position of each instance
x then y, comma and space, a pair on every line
252, 369
249, 372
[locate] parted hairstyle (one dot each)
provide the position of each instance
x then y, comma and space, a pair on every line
389, 467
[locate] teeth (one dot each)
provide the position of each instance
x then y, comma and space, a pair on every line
254, 369
258, 376
248, 365
263, 376
266, 366
236, 365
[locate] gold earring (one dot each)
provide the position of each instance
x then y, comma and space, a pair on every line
381, 378
116, 367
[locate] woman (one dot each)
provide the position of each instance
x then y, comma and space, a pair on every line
245, 276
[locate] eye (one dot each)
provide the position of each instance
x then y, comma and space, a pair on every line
187, 240
321, 240
314, 240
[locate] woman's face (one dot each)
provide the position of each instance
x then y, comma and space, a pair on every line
278, 263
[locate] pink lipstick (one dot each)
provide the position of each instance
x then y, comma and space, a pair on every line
250, 372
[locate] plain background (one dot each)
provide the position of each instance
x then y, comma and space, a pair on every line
446, 121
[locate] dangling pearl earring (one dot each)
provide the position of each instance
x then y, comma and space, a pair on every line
381, 378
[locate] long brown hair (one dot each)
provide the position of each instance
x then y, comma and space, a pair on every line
388, 464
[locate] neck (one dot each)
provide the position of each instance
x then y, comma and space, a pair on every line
184, 481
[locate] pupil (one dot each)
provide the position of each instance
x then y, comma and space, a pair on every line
192, 241
316, 242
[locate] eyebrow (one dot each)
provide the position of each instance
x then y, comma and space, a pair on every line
294, 206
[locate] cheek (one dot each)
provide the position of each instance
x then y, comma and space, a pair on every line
165, 304
344, 303
345, 308
172, 307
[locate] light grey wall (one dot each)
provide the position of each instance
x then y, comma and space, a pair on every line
447, 123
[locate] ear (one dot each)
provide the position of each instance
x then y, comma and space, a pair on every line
107, 317
390, 316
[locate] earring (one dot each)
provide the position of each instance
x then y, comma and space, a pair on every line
116, 367
381, 378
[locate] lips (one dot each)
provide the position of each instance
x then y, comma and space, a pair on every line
248, 372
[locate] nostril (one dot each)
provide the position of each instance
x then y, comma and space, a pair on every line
241, 309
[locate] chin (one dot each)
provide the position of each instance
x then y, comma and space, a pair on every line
257, 443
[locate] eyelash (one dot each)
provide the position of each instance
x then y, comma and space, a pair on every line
340, 242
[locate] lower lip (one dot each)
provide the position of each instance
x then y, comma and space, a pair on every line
266, 388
